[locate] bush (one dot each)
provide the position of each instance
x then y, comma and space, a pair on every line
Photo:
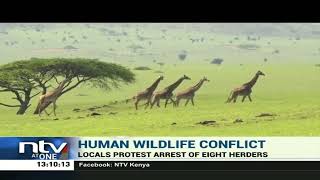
276, 51
161, 63
143, 68
182, 55
69, 47
135, 47
249, 46
4, 32
217, 61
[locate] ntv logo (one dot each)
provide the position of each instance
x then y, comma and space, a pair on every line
39, 150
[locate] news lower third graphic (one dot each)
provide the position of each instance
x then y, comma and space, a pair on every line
154, 153
32, 153
28, 148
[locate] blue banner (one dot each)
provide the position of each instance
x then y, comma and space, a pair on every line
37, 148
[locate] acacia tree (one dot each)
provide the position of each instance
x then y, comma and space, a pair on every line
41, 71
20, 83
23, 77
92, 71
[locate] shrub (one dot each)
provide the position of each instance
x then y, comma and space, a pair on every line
143, 68
182, 55
217, 61
249, 46
69, 47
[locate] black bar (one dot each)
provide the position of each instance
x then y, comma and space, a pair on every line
199, 166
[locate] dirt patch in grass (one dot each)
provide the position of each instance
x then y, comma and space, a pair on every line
266, 115
238, 121
209, 122
248, 46
95, 114
113, 113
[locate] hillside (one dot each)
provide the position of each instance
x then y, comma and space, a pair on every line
145, 43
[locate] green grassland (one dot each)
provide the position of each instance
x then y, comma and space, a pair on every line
290, 89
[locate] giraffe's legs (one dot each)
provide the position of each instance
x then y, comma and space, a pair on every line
230, 97
165, 105
155, 100
46, 112
244, 97
235, 99
158, 102
177, 101
40, 112
54, 108
152, 103
148, 103
192, 101
228, 100
249, 98
174, 103
136, 103
39, 109
186, 102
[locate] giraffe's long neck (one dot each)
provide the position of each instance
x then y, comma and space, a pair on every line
253, 81
59, 89
173, 86
197, 86
154, 85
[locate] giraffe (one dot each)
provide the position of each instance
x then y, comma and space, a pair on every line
245, 90
51, 96
147, 94
166, 93
190, 92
